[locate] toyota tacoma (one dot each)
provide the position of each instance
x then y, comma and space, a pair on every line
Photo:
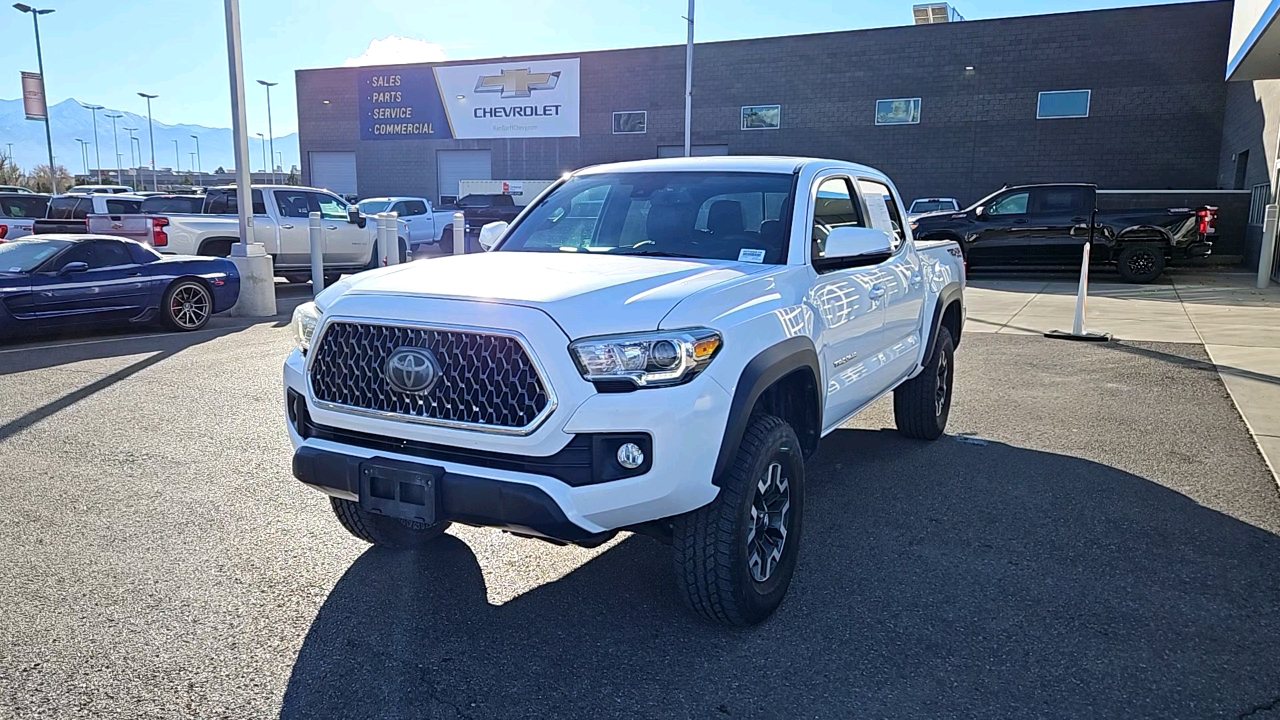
652, 347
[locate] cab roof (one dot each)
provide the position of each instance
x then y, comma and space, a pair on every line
725, 163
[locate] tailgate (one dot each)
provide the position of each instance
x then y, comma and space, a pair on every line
134, 227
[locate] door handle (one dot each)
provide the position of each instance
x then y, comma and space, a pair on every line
286, 227
1019, 222
1078, 219
916, 278
331, 227
876, 292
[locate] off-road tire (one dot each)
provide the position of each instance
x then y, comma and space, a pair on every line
384, 531
1140, 263
712, 544
918, 409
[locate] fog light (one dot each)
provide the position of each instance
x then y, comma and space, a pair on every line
630, 456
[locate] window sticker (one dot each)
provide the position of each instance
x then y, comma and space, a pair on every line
750, 255
878, 212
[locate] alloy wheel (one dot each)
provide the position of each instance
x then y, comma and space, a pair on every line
941, 385
770, 514
189, 306
1141, 263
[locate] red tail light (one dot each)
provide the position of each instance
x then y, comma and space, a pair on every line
4, 230
159, 238
1207, 220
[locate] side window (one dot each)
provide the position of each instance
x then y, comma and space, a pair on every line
1060, 201
83, 207
415, 207
120, 207
81, 252
400, 209
110, 253
832, 208
20, 207
293, 203
62, 208
1011, 204
259, 206
331, 208
224, 202
882, 209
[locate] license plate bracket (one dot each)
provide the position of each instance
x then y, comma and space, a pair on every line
400, 490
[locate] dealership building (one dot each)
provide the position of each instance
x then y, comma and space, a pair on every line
1129, 99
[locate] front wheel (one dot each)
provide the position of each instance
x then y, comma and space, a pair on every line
922, 404
1140, 263
382, 530
734, 557
187, 305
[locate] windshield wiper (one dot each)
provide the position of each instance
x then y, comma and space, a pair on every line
659, 253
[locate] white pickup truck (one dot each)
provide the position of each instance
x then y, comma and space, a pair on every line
654, 347
420, 223
280, 222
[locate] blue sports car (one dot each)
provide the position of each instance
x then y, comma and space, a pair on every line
56, 282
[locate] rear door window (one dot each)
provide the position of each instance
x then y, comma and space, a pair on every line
882, 209
24, 207
63, 208
293, 203
1060, 201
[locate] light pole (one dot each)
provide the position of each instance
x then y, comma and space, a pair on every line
10, 156
270, 132
135, 144
115, 138
84, 156
688, 85
48, 133
263, 143
199, 168
279, 164
97, 156
152, 136
177, 158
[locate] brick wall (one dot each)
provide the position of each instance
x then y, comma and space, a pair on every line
1156, 117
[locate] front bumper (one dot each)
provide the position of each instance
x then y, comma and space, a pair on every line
533, 485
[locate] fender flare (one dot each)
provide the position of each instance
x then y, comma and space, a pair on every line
949, 294
769, 366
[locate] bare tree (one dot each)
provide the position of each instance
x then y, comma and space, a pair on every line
38, 180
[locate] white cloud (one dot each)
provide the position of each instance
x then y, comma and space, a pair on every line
397, 50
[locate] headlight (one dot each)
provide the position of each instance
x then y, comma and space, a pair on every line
647, 359
305, 318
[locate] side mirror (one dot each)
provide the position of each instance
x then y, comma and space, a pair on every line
73, 267
491, 233
979, 211
849, 243
355, 218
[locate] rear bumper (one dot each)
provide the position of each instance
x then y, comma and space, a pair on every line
1199, 249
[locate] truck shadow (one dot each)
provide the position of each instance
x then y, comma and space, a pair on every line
938, 580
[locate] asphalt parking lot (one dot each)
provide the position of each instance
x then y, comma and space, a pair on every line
1096, 537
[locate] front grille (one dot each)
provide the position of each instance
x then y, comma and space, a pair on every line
485, 380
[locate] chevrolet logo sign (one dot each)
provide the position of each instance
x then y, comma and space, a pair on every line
517, 83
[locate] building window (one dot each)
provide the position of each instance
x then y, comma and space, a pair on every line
1258, 199
899, 111
1063, 104
630, 122
761, 117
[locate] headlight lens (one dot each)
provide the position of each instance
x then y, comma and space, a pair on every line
647, 359
305, 318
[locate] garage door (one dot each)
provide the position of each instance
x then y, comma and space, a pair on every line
454, 166
334, 171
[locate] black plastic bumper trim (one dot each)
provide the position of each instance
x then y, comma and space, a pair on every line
462, 498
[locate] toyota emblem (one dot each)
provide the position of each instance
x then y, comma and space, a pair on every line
412, 370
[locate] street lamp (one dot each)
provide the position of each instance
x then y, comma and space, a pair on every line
177, 158
115, 138
48, 133
96, 155
263, 143
152, 136
270, 132
199, 169
84, 156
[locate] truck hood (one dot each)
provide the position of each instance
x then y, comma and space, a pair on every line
585, 294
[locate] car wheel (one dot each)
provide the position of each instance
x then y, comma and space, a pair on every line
734, 557
296, 279
187, 305
384, 531
922, 404
446, 241
1140, 263
404, 251
331, 278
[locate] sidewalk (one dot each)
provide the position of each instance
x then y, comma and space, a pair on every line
1238, 325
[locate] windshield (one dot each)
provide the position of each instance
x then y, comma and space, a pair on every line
712, 215
925, 206
26, 254
372, 207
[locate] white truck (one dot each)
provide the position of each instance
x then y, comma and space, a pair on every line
654, 347
280, 222
420, 223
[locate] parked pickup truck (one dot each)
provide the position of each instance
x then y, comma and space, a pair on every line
68, 214
480, 210
654, 346
1045, 225
420, 224
19, 212
280, 222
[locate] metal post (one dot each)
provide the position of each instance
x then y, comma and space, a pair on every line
177, 158
115, 139
244, 181
48, 132
688, 85
317, 253
1266, 253
199, 167
151, 135
270, 133
459, 234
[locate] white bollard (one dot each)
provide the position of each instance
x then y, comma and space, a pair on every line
382, 239
1267, 253
1078, 331
393, 238
459, 234
316, 236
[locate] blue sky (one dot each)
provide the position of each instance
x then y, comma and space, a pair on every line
105, 52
